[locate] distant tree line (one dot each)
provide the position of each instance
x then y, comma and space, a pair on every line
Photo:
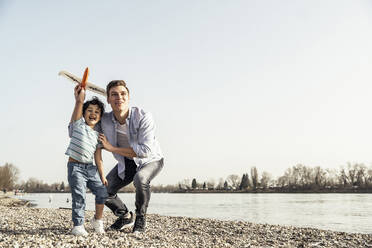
33, 185
299, 178
9, 176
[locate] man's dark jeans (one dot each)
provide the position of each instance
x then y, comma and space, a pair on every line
141, 180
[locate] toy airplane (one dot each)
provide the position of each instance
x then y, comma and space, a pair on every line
84, 83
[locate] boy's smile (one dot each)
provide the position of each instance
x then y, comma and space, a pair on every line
92, 115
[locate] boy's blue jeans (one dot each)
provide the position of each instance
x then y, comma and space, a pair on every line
81, 176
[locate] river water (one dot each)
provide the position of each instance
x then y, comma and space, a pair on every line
338, 212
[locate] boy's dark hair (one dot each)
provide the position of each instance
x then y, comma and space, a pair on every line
94, 101
114, 83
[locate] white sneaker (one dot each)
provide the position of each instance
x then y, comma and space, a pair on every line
79, 231
97, 225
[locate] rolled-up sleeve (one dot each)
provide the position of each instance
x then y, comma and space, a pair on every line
146, 137
73, 124
70, 129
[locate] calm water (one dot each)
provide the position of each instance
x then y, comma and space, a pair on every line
338, 212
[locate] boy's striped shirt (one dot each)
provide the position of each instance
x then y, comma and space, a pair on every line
83, 143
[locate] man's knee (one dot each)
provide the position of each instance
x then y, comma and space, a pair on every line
111, 203
111, 191
140, 181
116, 206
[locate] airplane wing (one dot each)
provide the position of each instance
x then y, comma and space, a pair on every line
77, 80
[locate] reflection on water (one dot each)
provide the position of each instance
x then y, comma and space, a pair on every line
338, 212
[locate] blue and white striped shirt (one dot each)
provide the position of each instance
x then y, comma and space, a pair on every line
83, 143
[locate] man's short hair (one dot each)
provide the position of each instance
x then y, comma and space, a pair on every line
115, 83
94, 101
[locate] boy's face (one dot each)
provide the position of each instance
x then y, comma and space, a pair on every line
118, 98
92, 115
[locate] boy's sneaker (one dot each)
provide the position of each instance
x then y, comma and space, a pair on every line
79, 231
123, 222
97, 225
140, 224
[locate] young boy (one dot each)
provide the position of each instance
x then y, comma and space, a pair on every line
82, 150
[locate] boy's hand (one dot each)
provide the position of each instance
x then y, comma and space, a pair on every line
79, 93
104, 181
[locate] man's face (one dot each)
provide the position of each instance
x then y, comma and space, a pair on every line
118, 98
92, 115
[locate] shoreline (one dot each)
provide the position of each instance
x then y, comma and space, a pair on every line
366, 191
23, 226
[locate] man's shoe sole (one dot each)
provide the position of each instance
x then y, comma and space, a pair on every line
138, 231
123, 227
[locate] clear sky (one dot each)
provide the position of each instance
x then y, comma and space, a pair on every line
231, 84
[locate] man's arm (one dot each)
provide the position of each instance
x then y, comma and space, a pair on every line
79, 101
146, 137
126, 152
99, 163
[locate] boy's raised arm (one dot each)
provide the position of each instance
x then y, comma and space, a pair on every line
79, 93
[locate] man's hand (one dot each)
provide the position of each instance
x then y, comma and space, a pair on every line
79, 93
102, 138
123, 151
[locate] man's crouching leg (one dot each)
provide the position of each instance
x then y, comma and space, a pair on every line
142, 181
126, 218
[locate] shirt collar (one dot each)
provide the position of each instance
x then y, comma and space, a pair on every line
128, 118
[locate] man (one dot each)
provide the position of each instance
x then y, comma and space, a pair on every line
129, 133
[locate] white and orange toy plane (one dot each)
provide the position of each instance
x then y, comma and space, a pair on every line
84, 83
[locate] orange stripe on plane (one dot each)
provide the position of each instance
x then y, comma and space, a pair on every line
85, 78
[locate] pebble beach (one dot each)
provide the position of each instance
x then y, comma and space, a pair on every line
25, 226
